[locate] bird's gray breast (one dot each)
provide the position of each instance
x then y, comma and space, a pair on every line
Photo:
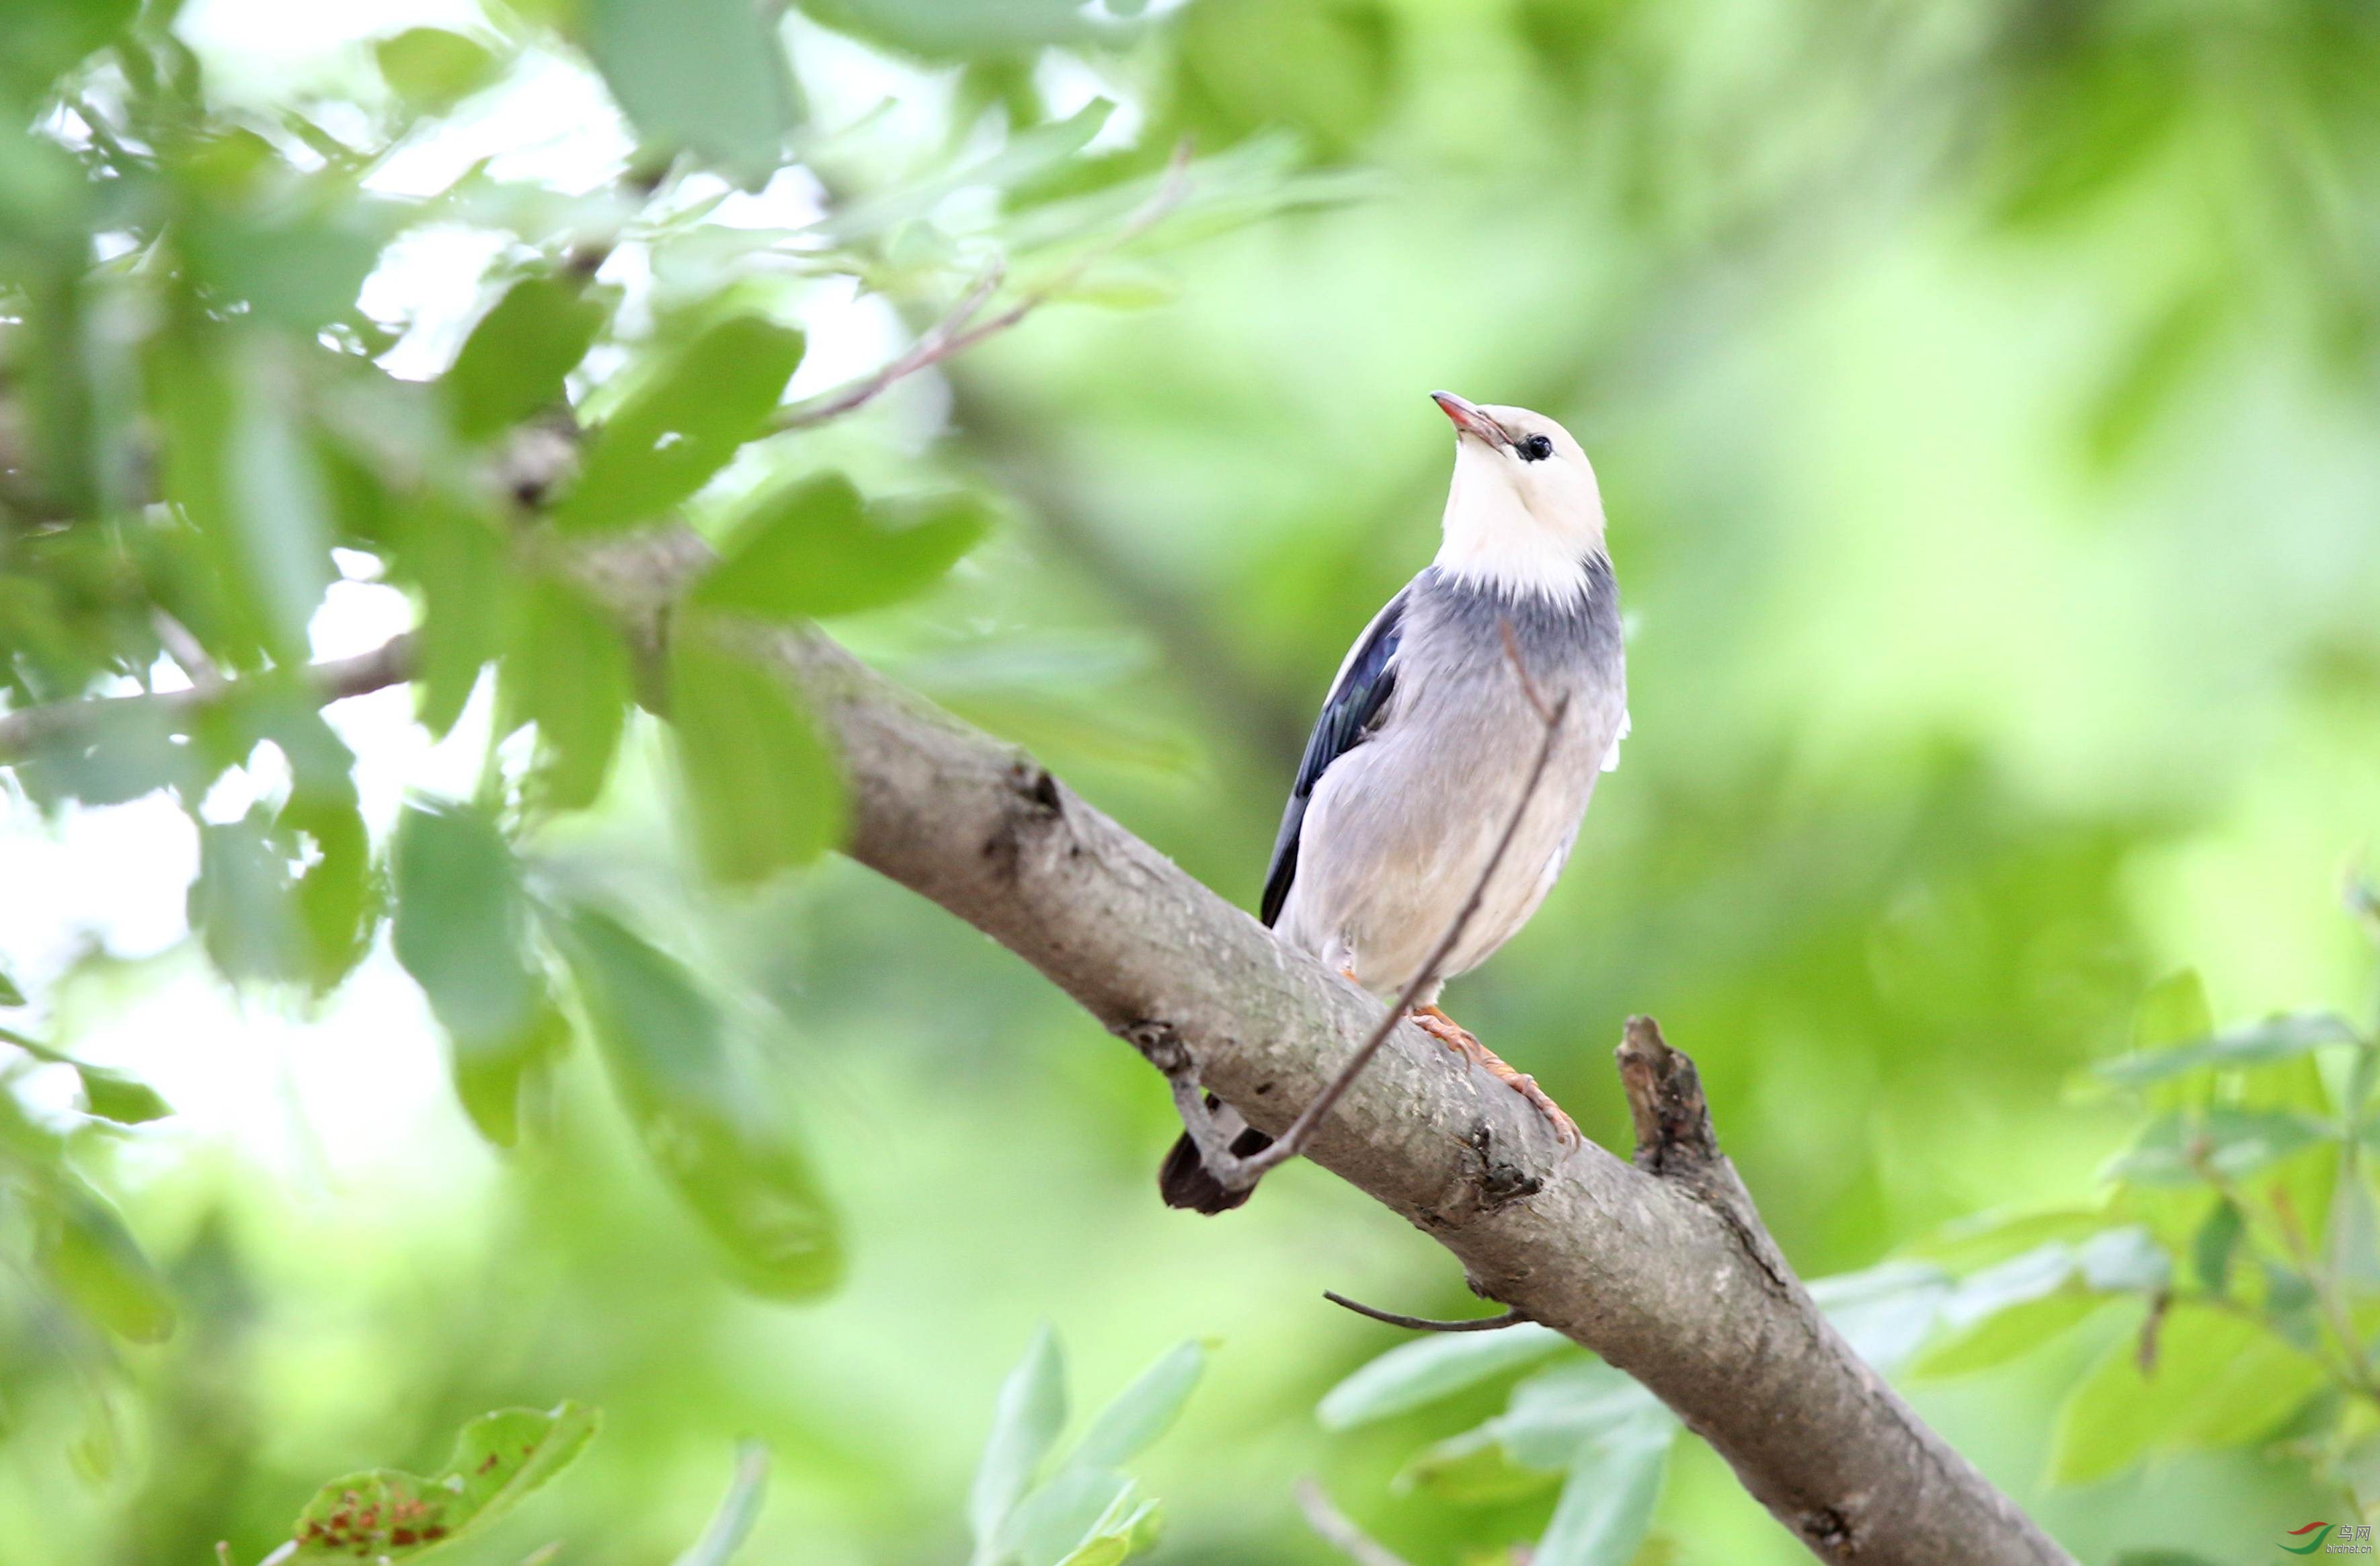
1400, 828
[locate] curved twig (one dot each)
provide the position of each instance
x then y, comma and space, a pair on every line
1512, 1317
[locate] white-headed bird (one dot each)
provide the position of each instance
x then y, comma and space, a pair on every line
1427, 741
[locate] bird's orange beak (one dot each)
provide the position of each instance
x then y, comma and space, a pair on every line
1469, 419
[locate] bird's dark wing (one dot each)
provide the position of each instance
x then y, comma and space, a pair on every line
1349, 714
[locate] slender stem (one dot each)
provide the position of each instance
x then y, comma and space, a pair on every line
1426, 1324
1339, 1531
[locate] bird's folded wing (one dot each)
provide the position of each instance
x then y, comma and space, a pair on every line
1365, 680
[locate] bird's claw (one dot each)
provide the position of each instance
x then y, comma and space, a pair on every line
1460, 1040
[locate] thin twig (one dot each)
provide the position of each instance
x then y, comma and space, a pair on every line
1426, 1324
186, 652
24, 733
1237, 1173
958, 330
1339, 1531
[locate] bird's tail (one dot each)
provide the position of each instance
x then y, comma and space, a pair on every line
1183, 1179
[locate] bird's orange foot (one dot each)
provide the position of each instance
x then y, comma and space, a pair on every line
1460, 1040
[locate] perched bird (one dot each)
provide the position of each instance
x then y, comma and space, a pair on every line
1425, 745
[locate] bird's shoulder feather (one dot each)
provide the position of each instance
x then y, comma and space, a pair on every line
1359, 697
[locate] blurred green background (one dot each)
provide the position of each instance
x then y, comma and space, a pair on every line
1984, 399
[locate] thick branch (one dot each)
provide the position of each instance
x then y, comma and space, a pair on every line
1671, 1278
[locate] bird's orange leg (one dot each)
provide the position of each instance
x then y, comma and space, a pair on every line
1460, 1040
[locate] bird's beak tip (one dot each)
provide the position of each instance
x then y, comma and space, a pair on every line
1469, 419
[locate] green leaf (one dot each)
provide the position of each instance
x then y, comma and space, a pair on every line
2016, 1329
388, 1515
1991, 1237
433, 69
1025, 1423
98, 1265
672, 433
2215, 1379
462, 931
566, 671
711, 1128
335, 902
818, 549
1143, 1411
1565, 1407
1472, 1469
106, 1094
2217, 1240
240, 904
732, 1523
470, 601
1885, 1312
1607, 1504
1085, 1515
764, 790
512, 364
2276, 1039
1414, 1375
702, 76
1026, 155
9, 994
2227, 1140
2173, 1010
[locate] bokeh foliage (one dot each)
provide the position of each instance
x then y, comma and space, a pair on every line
1983, 395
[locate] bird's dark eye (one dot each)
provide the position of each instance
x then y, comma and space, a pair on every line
1536, 448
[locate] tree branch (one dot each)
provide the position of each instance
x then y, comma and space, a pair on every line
1337, 1530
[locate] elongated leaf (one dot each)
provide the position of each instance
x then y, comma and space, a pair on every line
1025, 1424
388, 1515
703, 76
2016, 1329
98, 1265
1563, 1408
1417, 1374
2276, 1039
513, 363
567, 673
710, 1129
818, 549
1472, 1469
240, 904
2173, 1010
2229, 1141
469, 602
667, 440
1607, 1504
336, 904
732, 1523
1026, 155
1143, 1411
2214, 1379
2212, 1249
764, 788
462, 931
9, 994
1082, 1514
1887, 1311
107, 1094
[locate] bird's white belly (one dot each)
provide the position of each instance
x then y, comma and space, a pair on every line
1394, 842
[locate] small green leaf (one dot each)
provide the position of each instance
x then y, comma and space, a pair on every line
1565, 1407
513, 363
710, 1127
462, 931
240, 904
1885, 1312
732, 1523
433, 69
1472, 1469
2016, 1329
9, 994
470, 598
681, 427
2180, 1149
764, 790
704, 76
1085, 1515
567, 672
387, 1514
1143, 1411
818, 549
2211, 1250
334, 899
1607, 1504
2262, 1043
127, 1101
98, 1265
1025, 1423
1414, 1375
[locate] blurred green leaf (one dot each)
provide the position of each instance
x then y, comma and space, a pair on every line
739, 1510
1026, 155
462, 931
2212, 1249
681, 427
1887, 1311
512, 364
1558, 1411
298, 266
9, 994
107, 1095
240, 905
432, 70
388, 1515
566, 671
1084, 1515
2179, 1148
708, 1125
763, 787
470, 601
2173, 1010
2276, 1039
1143, 1411
1025, 1424
1606, 1503
46, 37
708, 76
938, 30
1412, 1375
98, 1265
336, 904
818, 549
1325, 69
2213, 1378
2013, 1331
1472, 1469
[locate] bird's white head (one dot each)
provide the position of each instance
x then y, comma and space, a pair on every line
1523, 514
